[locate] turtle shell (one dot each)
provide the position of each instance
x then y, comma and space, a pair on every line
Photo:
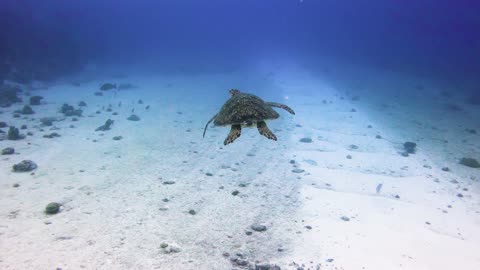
244, 109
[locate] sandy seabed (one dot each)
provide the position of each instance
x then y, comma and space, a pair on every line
346, 200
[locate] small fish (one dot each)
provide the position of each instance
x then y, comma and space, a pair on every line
379, 188
133, 110
120, 104
148, 107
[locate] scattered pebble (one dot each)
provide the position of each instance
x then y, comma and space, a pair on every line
353, 147
51, 135
306, 140
258, 227
168, 182
52, 208
345, 218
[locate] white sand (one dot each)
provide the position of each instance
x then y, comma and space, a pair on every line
114, 216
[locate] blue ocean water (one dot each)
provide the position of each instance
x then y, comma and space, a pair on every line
432, 38
373, 164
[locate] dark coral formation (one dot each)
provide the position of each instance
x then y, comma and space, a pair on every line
69, 110
133, 117
8, 151
47, 121
35, 100
410, 147
470, 162
14, 134
108, 86
25, 110
8, 95
105, 126
25, 166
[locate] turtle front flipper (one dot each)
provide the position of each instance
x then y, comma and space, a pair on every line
265, 131
235, 132
281, 106
209, 121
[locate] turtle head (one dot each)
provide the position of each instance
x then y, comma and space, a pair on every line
233, 92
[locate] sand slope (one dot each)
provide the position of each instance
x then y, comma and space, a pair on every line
118, 209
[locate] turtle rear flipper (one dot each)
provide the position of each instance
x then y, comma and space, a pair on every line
265, 131
209, 121
281, 106
235, 132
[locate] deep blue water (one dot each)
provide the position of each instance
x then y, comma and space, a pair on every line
46, 39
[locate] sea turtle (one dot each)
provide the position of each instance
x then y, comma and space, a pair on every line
245, 110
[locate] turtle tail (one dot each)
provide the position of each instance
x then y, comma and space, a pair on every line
209, 121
